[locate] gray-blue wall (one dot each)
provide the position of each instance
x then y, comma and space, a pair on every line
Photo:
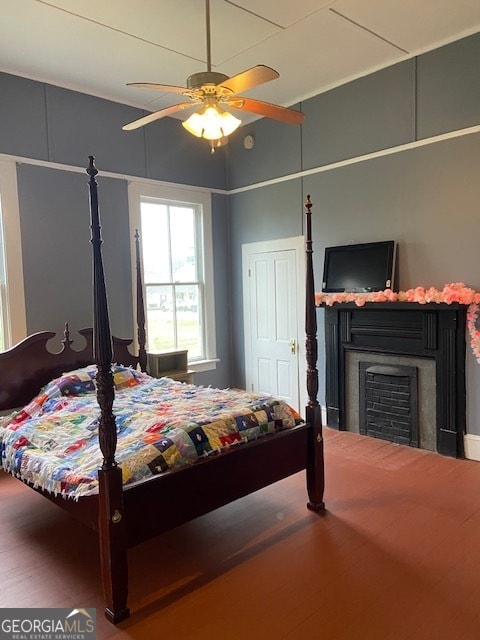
44, 122
426, 198
57, 260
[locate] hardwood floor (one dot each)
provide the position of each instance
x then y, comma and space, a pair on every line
396, 556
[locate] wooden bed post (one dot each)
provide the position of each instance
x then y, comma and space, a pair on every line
111, 515
142, 336
313, 414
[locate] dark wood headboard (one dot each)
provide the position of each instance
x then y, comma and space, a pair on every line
29, 365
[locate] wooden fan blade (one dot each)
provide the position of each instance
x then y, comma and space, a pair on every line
248, 79
158, 87
290, 116
157, 115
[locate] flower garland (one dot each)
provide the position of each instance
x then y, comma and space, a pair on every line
455, 292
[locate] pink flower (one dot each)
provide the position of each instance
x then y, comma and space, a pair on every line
455, 292
319, 298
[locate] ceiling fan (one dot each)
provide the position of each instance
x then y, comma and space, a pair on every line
210, 89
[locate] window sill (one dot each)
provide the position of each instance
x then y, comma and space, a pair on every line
203, 365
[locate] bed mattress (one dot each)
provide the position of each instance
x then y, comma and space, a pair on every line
52, 443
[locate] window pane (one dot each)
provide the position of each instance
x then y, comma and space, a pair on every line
155, 244
2, 252
172, 251
188, 319
160, 319
182, 230
3, 310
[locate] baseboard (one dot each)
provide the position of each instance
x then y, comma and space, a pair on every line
324, 414
472, 446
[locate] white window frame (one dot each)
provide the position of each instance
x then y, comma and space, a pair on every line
15, 322
137, 190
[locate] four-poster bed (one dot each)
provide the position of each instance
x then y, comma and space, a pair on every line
125, 514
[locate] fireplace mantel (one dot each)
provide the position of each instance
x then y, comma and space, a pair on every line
435, 331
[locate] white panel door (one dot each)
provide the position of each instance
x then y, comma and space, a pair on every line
272, 294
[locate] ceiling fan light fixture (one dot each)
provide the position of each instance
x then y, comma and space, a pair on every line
211, 88
212, 123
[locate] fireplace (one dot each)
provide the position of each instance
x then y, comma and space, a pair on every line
422, 343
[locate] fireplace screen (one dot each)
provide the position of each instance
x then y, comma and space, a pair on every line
389, 402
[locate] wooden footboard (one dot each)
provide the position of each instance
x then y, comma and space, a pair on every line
183, 494
154, 506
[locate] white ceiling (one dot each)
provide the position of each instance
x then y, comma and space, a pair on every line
97, 47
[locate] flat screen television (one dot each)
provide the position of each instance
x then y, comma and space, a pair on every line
359, 267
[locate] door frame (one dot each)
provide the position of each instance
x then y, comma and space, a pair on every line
296, 244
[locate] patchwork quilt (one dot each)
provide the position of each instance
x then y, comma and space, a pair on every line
52, 443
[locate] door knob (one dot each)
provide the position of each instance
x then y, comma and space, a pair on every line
293, 345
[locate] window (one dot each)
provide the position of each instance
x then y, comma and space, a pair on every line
173, 277
175, 236
3, 290
12, 300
